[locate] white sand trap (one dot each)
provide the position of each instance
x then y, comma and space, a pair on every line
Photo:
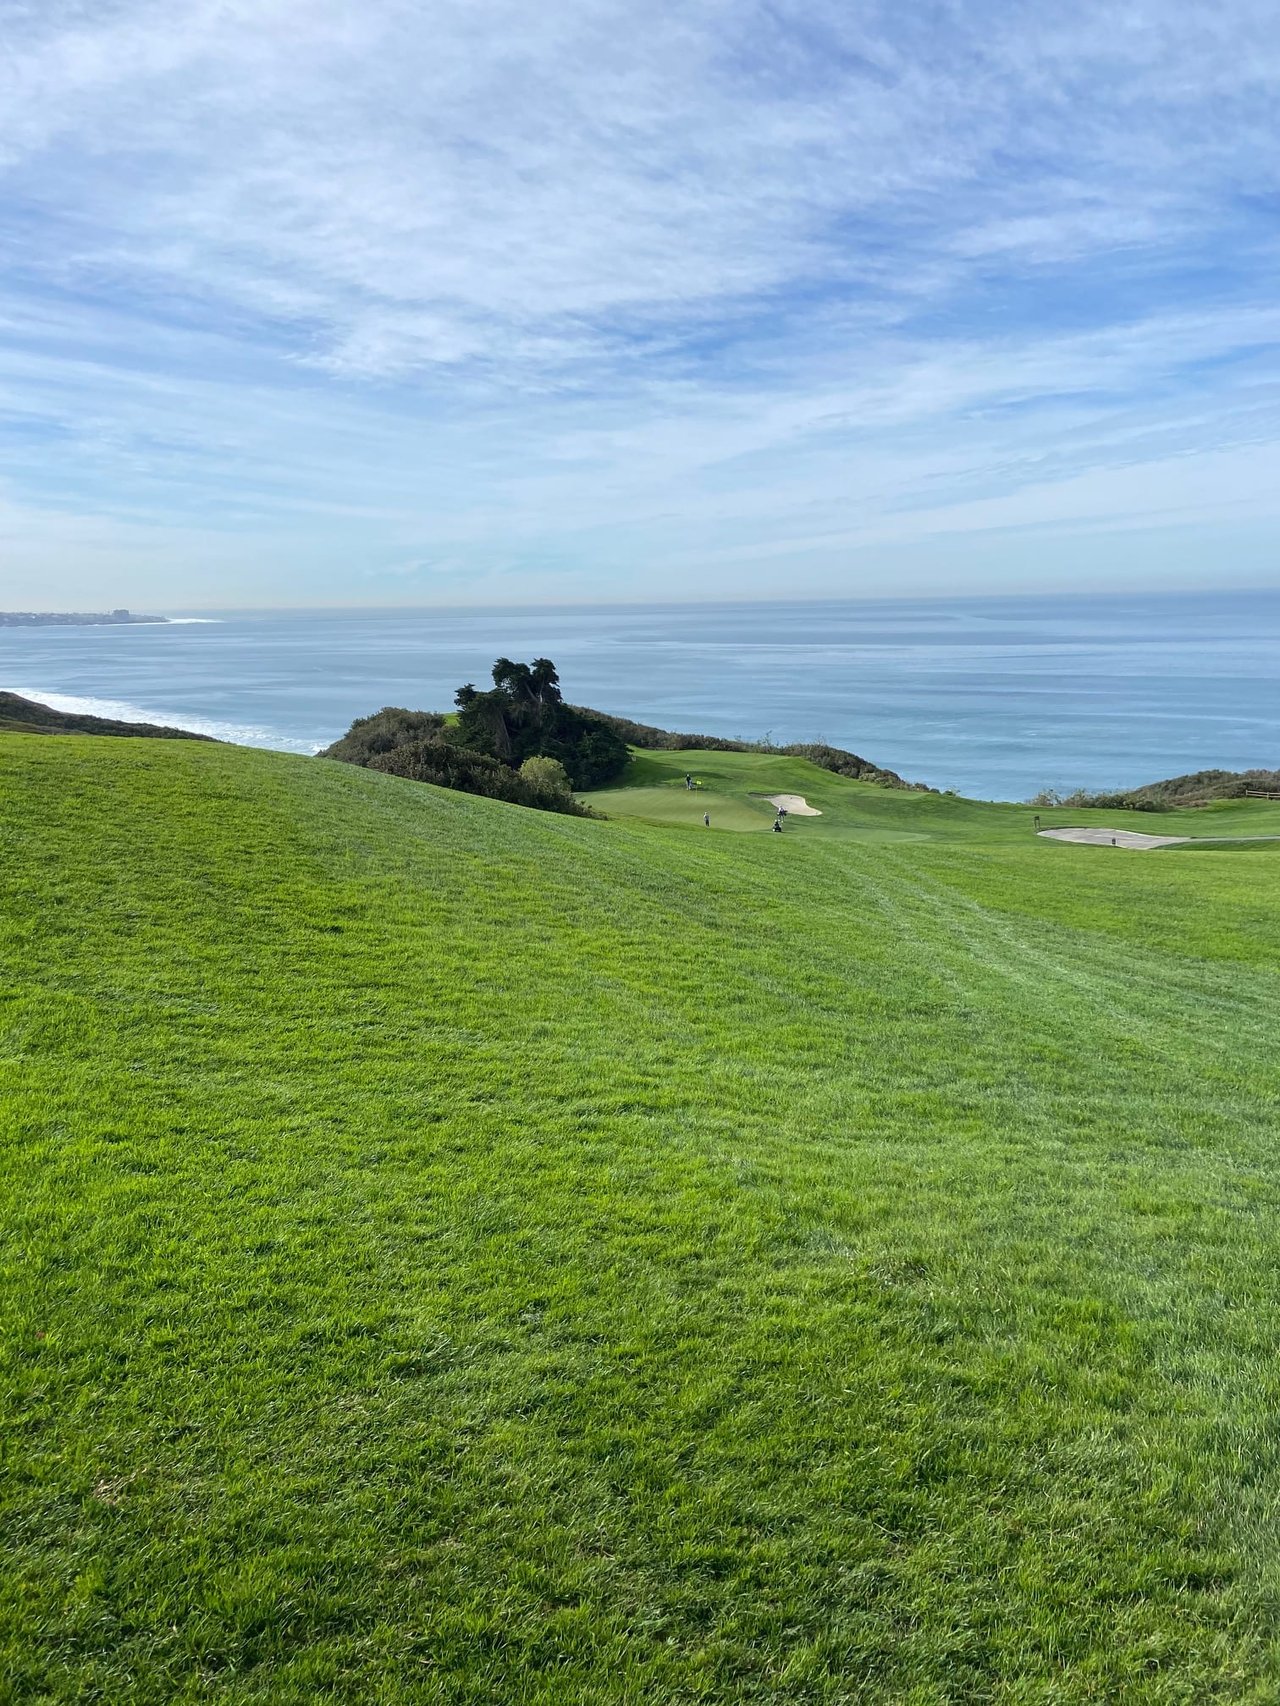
796, 804
1115, 838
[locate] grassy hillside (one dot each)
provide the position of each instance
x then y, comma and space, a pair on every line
462, 1254
27, 717
733, 789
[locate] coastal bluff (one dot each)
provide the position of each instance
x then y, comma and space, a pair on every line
73, 618
26, 716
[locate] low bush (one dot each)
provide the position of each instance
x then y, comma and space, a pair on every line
1197, 788
517, 742
447, 766
383, 732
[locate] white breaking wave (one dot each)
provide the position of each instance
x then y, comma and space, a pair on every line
179, 622
123, 711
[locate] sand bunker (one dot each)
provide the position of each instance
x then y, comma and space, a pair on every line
794, 804
1115, 838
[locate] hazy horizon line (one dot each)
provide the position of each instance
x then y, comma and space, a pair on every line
1039, 595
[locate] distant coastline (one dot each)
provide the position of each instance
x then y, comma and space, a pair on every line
72, 618
997, 699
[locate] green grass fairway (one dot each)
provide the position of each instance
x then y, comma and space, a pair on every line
1228, 844
465, 1255
733, 788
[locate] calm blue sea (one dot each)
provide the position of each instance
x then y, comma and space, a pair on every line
993, 697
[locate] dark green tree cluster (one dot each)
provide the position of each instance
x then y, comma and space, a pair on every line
524, 716
539, 782
518, 742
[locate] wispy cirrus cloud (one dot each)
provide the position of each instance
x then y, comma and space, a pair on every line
737, 294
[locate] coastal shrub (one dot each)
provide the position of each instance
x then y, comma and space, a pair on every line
521, 718
445, 765
842, 763
385, 730
546, 774
653, 739
1197, 788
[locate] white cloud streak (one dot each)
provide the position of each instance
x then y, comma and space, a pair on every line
567, 299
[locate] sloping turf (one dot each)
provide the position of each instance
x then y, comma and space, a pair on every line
458, 1254
732, 788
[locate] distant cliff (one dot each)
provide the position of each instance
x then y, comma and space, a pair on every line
71, 618
26, 717
1199, 788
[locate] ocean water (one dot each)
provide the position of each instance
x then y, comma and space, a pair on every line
995, 698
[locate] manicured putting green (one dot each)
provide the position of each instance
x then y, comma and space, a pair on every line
682, 808
733, 789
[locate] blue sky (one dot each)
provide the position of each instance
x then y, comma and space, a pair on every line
385, 302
